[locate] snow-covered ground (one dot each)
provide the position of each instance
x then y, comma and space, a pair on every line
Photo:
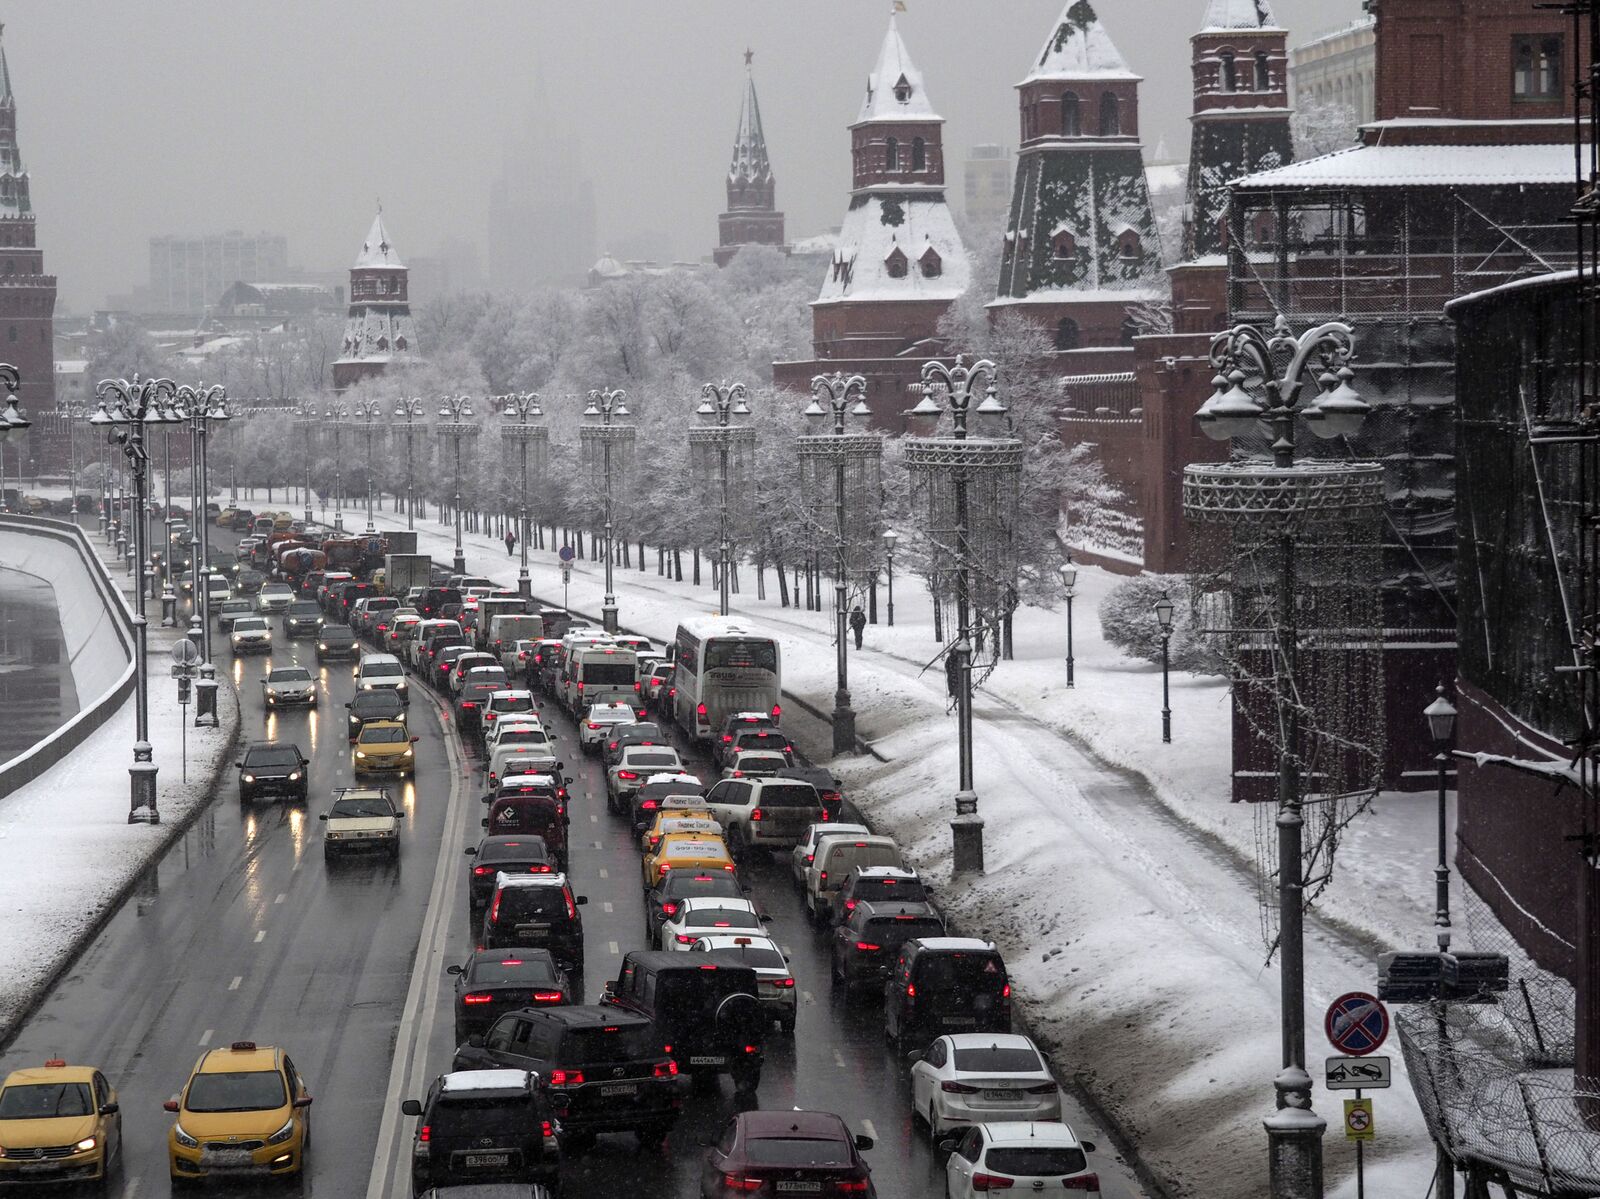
1119, 877
67, 851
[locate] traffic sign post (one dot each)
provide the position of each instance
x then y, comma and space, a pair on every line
1357, 1025
566, 579
1358, 1120
1355, 1073
566, 553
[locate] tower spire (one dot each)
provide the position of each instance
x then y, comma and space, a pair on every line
750, 160
6, 98
752, 216
895, 89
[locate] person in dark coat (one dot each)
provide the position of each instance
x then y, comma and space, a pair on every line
858, 622
511, 542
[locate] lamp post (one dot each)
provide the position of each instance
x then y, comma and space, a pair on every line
520, 412
1441, 717
1283, 496
723, 404
305, 419
890, 540
369, 411
606, 406
127, 407
200, 406
961, 458
73, 413
1069, 581
838, 389
1163, 610
337, 413
455, 415
408, 411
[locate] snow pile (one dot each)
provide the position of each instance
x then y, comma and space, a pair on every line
1423, 166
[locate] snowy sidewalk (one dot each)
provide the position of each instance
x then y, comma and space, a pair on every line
67, 852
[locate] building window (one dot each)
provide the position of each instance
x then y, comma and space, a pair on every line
1536, 67
919, 154
932, 264
1063, 245
1263, 72
896, 263
1067, 334
902, 90
1071, 116
891, 154
383, 344
399, 343
1229, 72
1110, 115
1128, 246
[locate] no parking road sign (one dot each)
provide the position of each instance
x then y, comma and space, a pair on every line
1357, 1024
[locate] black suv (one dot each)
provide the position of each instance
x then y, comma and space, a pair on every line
537, 911
946, 984
378, 704
336, 641
604, 1070
302, 618
268, 769
677, 885
867, 943
707, 1012
504, 855
481, 1126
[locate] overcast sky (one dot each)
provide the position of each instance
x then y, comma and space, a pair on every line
293, 116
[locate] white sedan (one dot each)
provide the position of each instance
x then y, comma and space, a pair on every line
710, 917
599, 720
970, 1077
1030, 1159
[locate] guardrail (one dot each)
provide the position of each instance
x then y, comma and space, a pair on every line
93, 713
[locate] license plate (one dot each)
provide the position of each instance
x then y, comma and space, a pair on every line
707, 1059
1002, 1094
620, 1088
803, 1188
960, 1020
487, 1161
39, 1168
533, 928
225, 1159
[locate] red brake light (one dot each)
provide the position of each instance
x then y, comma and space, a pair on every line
562, 1078
424, 1134
851, 1186
684, 939
477, 997
1005, 992
726, 737
670, 909
911, 991
734, 1182
648, 805
626, 774
572, 910
494, 910
776, 711
868, 947
480, 871
957, 1088
670, 1070
593, 724
783, 982
991, 1182
700, 710
1083, 1182
547, 997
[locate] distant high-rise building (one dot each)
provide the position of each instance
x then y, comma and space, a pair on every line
27, 294
378, 329
987, 181
752, 217
541, 209
190, 273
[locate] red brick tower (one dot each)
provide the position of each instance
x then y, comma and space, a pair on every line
752, 218
378, 329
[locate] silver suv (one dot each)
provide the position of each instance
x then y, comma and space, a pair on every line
764, 813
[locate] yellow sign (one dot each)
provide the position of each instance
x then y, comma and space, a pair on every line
1358, 1120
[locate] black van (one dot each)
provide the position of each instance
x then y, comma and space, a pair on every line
537, 911
483, 1126
709, 1013
946, 984
433, 599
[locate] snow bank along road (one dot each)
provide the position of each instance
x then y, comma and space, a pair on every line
243, 932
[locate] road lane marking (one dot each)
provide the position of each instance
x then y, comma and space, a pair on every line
261, 936
593, 819
205, 1037
838, 1060
597, 845
604, 873
806, 995
129, 1191
237, 979
611, 946
282, 895
607, 905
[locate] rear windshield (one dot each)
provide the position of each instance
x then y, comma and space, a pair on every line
756, 957
723, 918
516, 703
44, 1101
960, 972
530, 849
460, 1117
375, 703
668, 758
795, 1151
995, 1060
890, 930
907, 890
521, 903
790, 795
1035, 1162
641, 731
290, 674
523, 737
244, 1091
608, 674
725, 652
610, 1043
694, 886
775, 741
535, 971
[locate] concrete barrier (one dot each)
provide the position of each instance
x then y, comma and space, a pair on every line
96, 626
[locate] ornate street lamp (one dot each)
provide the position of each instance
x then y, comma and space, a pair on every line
337, 414
842, 456
521, 410
127, 407
890, 540
726, 408
1069, 581
305, 420
200, 406
369, 411
1163, 610
408, 411
13, 424
606, 407
948, 469
1280, 497
455, 422
1441, 717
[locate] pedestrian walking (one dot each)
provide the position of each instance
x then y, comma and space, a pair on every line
511, 542
858, 622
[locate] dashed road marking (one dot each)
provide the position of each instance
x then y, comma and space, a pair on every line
205, 1037
281, 897
261, 936
129, 1191
612, 947
237, 979
838, 1059
806, 995
597, 845
866, 1126
593, 818
604, 873
607, 906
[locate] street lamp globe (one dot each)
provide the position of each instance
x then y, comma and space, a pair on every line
890, 540
1340, 411
1163, 610
1441, 714
1230, 412
1069, 573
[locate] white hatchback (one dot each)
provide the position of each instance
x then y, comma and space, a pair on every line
1036, 1159
710, 917
967, 1078
800, 859
599, 720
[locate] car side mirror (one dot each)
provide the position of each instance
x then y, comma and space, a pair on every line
238, 765
484, 823
324, 816
170, 1105
864, 1142
302, 1101
471, 851
347, 707
914, 1056
948, 1145
399, 815
110, 1109
1087, 1146
581, 900
410, 1107
475, 1041
562, 766
766, 919
452, 970
414, 740
566, 778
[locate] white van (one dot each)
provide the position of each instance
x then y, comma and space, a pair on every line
505, 631
601, 673
834, 860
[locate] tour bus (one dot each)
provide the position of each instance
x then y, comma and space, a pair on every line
722, 667
600, 673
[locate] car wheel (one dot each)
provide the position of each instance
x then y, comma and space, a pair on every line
786, 1025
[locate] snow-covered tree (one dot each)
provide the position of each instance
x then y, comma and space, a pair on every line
1321, 127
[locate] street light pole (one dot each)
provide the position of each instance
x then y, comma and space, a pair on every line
454, 413
1163, 610
128, 407
337, 413
305, 418
890, 540
408, 411
1069, 581
200, 406
521, 410
606, 406
1441, 717
368, 410
723, 403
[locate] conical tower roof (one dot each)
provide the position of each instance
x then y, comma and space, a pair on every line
378, 250
1080, 48
7, 100
750, 161
1238, 14
896, 90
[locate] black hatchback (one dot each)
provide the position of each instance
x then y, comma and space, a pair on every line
494, 981
378, 704
483, 1126
605, 1070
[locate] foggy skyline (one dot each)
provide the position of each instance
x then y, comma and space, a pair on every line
136, 121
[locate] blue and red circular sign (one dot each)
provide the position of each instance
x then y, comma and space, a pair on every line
1357, 1024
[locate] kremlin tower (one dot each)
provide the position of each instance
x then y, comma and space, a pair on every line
378, 329
27, 294
752, 218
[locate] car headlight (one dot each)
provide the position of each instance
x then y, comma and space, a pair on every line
183, 1138
360, 754
366, 686
283, 1134
247, 778
86, 1144
294, 776
322, 645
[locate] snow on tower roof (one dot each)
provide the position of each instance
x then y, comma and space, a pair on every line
1079, 48
1238, 14
895, 89
6, 98
750, 159
878, 225
378, 250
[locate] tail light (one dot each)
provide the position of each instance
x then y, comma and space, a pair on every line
636, 687
477, 997
849, 905
424, 1134
1043, 1088
776, 711
670, 909
547, 1130
467, 703
685, 939
752, 1049
593, 724
957, 1088
911, 991
480, 871
626, 774
991, 1182
867, 947
851, 1186
736, 1182
669, 1070
726, 737
572, 910
580, 688
566, 1078
700, 711
1083, 1182
494, 909
548, 996
755, 815
1005, 991
648, 805
824, 876
783, 982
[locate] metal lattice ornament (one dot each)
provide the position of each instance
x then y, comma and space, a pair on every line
861, 455
594, 440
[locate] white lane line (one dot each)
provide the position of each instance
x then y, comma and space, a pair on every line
593, 819
129, 1191
281, 897
261, 936
237, 979
806, 995
838, 1059
604, 873
205, 1037
597, 845
866, 1126
607, 906
611, 946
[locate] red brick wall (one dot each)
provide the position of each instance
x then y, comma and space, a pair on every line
1245, 44
1174, 379
893, 324
1040, 107
869, 150
27, 314
1099, 322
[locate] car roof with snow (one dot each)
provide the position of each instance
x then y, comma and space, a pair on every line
484, 1080
956, 944
530, 880
1025, 1132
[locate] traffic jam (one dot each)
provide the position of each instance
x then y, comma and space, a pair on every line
752, 877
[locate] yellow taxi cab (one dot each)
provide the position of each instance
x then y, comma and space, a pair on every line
686, 851
242, 1113
282, 520
58, 1123
382, 747
678, 820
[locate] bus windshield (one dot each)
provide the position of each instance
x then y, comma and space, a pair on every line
747, 653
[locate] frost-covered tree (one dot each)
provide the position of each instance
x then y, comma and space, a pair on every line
1321, 127
1128, 621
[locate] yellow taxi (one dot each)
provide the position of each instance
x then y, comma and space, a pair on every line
384, 747
242, 1113
686, 851
678, 820
58, 1123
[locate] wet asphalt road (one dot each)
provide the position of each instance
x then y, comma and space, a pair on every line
37, 695
242, 931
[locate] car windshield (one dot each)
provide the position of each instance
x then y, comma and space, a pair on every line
338, 632
44, 1100
652, 758
610, 1043
535, 971
897, 930
276, 589
290, 674
530, 849
959, 973
513, 703
250, 625
272, 755
1035, 1161
378, 670
523, 737
235, 606
634, 734
371, 736
370, 805
370, 703
241, 1091
796, 1151
1016, 1059
759, 957
728, 652
722, 918
486, 1117
696, 886
609, 674
304, 608
789, 795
